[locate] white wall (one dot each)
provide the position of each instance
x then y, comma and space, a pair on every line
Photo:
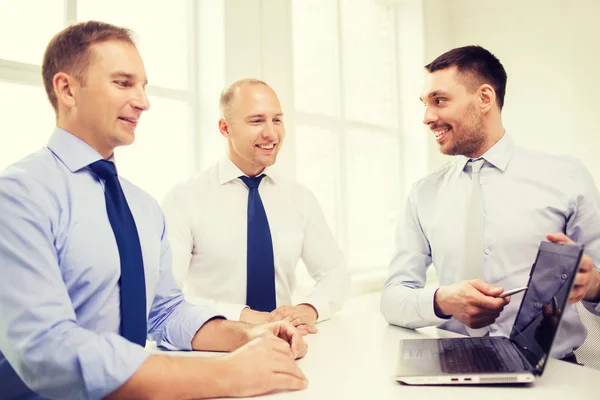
551, 51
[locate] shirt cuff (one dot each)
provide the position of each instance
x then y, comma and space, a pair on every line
182, 327
106, 364
321, 305
425, 306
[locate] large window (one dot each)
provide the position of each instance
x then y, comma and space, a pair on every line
347, 123
169, 39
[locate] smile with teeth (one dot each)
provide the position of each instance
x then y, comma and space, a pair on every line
266, 146
440, 132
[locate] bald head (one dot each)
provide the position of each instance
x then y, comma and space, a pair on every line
228, 95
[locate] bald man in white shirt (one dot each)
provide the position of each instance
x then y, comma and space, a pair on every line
207, 222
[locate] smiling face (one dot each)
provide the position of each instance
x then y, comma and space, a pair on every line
452, 114
253, 126
108, 102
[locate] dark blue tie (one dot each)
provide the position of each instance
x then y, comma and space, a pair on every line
260, 267
133, 284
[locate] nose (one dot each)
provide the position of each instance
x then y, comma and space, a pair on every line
269, 131
430, 116
140, 100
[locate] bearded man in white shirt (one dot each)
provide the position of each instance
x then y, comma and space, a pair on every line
207, 219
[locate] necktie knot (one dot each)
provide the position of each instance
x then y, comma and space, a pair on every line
476, 165
253, 182
104, 169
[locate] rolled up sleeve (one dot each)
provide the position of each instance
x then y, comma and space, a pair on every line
39, 335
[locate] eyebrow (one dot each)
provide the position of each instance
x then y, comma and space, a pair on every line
121, 74
434, 94
262, 116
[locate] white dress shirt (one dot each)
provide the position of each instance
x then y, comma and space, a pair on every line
207, 222
526, 194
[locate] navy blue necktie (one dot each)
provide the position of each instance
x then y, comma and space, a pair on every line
260, 286
133, 283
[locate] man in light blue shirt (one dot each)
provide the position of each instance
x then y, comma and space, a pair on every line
525, 194
60, 292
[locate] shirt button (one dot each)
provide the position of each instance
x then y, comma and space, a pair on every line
537, 305
487, 251
480, 182
495, 327
484, 215
564, 276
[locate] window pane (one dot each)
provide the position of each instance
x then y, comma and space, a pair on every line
159, 31
316, 160
314, 47
26, 27
160, 155
368, 62
373, 185
28, 123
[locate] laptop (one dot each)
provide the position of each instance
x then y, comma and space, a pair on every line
519, 358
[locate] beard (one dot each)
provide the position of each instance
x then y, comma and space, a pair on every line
468, 138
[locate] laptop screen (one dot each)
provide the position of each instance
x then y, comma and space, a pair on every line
550, 282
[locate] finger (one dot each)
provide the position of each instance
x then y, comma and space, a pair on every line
576, 295
299, 320
488, 303
558, 237
297, 344
287, 332
275, 316
289, 318
486, 288
281, 346
311, 328
581, 280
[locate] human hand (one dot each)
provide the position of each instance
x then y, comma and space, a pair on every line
264, 365
283, 330
587, 280
474, 302
302, 316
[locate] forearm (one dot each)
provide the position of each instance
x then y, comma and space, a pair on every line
162, 377
221, 335
330, 292
407, 307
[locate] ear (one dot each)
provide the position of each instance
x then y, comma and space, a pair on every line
64, 88
487, 98
224, 127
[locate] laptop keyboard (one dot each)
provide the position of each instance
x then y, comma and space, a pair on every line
476, 355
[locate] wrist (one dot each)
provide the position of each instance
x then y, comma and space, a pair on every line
312, 309
221, 335
439, 303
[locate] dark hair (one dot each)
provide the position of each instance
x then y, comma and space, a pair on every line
477, 64
68, 51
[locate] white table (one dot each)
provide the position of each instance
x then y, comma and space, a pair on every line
353, 357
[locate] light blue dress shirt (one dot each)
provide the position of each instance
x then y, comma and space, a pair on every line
526, 194
59, 268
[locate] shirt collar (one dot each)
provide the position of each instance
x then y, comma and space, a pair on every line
228, 171
73, 152
499, 155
